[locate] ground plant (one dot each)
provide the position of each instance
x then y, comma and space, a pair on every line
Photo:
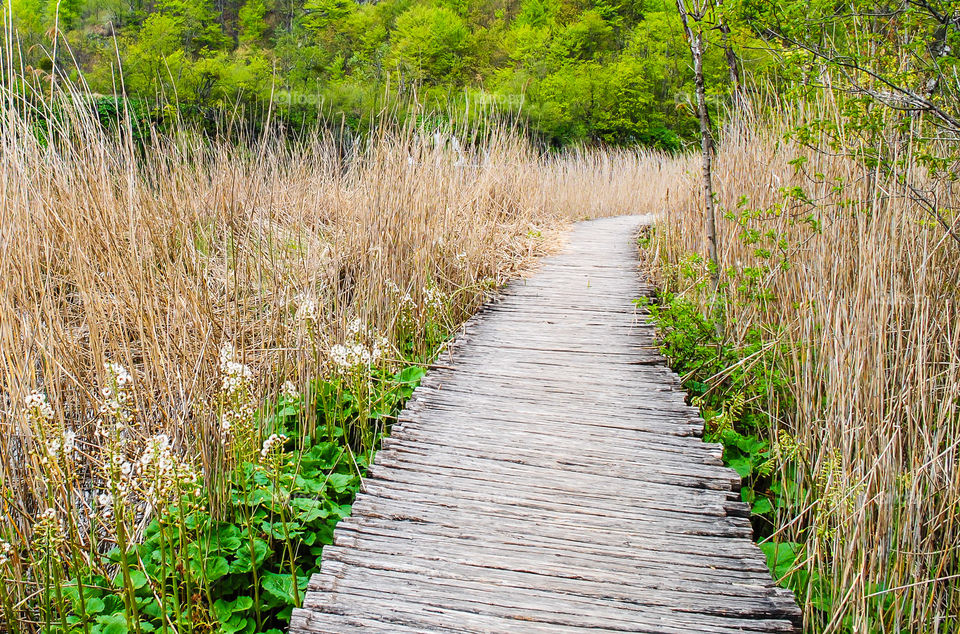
234, 235
826, 363
204, 340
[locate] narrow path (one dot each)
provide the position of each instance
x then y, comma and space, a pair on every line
548, 477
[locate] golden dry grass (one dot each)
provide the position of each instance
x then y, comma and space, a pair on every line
154, 256
866, 312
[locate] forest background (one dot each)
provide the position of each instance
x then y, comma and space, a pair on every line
592, 71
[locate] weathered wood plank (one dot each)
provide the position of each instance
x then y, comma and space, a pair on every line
547, 476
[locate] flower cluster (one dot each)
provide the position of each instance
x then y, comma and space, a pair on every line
403, 298
308, 312
160, 474
55, 442
235, 375
118, 471
105, 504
236, 401
289, 392
38, 407
271, 454
117, 406
435, 299
114, 426
6, 551
363, 348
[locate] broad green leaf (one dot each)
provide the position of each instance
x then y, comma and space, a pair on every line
742, 466
138, 579
762, 506
781, 557
113, 624
246, 559
281, 586
340, 482
215, 567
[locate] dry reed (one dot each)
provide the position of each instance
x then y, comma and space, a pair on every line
152, 254
859, 290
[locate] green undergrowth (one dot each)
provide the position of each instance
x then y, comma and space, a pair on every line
243, 564
741, 392
736, 388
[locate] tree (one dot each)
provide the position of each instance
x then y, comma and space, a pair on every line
692, 15
886, 62
430, 44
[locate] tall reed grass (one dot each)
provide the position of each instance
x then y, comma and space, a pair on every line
855, 292
156, 288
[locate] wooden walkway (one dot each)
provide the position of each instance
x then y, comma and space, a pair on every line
548, 477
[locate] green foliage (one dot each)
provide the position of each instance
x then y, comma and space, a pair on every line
429, 44
242, 568
732, 386
572, 72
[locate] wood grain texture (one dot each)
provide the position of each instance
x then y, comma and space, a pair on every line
548, 476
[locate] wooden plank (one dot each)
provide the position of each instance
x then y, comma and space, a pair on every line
547, 476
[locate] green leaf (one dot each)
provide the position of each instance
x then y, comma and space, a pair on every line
762, 506
94, 605
215, 567
246, 559
340, 482
781, 557
281, 586
310, 509
226, 537
222, 610
341, 510
236, 623
411, 375
113, 624
288, 411
138, 579
742, 466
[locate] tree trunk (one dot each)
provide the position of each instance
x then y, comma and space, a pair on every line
696, 41
732, 67
735, 86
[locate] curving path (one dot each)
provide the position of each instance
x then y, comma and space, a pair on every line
547, 476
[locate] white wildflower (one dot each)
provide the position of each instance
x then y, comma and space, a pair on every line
289, 391
118, 374
236, 399
356, 330
360, 354
235, 375
55, 441
117, 398
404, 299
105, 506
158, 469
379, 347
38, 407
435, 299
6, 551
340, 355
274, 442
308, 311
